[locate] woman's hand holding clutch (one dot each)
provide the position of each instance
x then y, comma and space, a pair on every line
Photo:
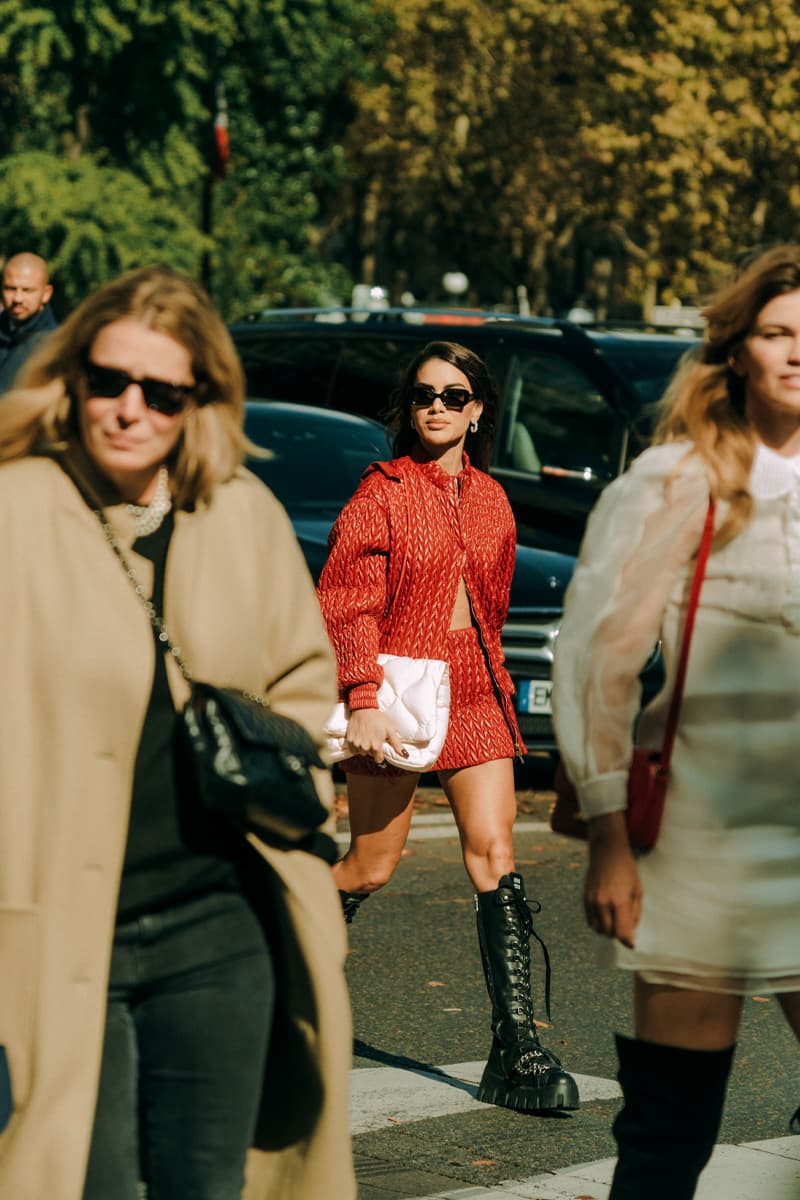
367, 731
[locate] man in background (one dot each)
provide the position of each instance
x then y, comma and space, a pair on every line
26, 315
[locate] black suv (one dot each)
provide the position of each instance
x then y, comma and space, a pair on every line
575, 402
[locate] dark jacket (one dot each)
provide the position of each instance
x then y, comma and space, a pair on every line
17, 342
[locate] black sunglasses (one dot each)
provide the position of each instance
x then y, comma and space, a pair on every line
109, 382
423, 396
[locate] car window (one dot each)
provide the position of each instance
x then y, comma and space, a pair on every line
647, 371
315, 463
554, 419
367, 372
291, 368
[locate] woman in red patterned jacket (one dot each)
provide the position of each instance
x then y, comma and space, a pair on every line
420, 564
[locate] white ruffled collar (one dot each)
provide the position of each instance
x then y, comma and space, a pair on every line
772, 474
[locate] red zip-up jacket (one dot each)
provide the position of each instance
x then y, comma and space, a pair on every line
397, 552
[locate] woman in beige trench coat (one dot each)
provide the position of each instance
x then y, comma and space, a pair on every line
143, 377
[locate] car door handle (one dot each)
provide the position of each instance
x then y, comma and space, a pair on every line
583, 474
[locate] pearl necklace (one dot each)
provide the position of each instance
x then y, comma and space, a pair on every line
150, 516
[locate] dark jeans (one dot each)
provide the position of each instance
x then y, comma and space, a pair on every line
189, 1011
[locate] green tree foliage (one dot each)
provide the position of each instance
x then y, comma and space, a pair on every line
290, 78
130, 85
608, 149
89, 222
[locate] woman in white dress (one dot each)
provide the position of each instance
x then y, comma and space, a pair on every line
710, 915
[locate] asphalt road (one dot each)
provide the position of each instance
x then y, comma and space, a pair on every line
419, 1001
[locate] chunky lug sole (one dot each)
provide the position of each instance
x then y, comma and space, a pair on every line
557, 1090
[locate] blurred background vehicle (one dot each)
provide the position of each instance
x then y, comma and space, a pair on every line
317, 458
576, 402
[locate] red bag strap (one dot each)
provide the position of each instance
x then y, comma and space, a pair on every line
691, 610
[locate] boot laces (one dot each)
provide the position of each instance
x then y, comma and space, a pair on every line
518, 937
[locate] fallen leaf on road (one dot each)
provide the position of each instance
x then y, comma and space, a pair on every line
541, 1024
436, 983
483, 1162
760, 999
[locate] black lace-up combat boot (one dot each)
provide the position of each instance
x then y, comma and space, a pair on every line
520, 1072
351, 903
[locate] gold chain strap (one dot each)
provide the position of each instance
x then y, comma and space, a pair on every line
156, 620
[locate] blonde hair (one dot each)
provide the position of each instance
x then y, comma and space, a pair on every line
38, 416
706, 400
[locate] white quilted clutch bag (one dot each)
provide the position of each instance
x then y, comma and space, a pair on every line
415, 695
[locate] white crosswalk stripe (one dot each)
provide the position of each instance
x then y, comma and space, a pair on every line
383, 1097
430, 827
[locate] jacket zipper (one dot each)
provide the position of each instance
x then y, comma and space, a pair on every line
500, 694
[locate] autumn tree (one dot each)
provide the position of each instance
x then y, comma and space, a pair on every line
616, 149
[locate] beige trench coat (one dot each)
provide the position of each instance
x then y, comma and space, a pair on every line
76, 665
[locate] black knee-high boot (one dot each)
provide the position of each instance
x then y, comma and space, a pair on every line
351, 903
520, 1072
668, 1127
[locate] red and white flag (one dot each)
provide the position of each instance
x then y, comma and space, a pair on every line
222, 149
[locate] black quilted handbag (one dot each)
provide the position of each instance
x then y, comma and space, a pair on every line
252, 765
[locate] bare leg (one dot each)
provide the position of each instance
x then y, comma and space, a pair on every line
380, 816
484, 806
679, 1017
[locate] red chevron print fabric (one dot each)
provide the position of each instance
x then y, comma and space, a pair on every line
397, 553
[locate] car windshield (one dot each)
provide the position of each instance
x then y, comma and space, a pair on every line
317, 457
647, 369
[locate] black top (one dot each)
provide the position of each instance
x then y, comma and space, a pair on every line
171, 856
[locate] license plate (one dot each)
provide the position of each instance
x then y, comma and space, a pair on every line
533, 696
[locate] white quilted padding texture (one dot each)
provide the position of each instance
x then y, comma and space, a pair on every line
415, 695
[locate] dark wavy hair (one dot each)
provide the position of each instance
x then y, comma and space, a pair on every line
398, 415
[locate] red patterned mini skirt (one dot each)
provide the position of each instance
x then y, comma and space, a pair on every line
477, 731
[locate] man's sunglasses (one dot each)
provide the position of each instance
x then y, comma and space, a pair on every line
423, 396
108, 383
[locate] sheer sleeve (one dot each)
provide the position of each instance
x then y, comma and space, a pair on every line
352, 592
642, 534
